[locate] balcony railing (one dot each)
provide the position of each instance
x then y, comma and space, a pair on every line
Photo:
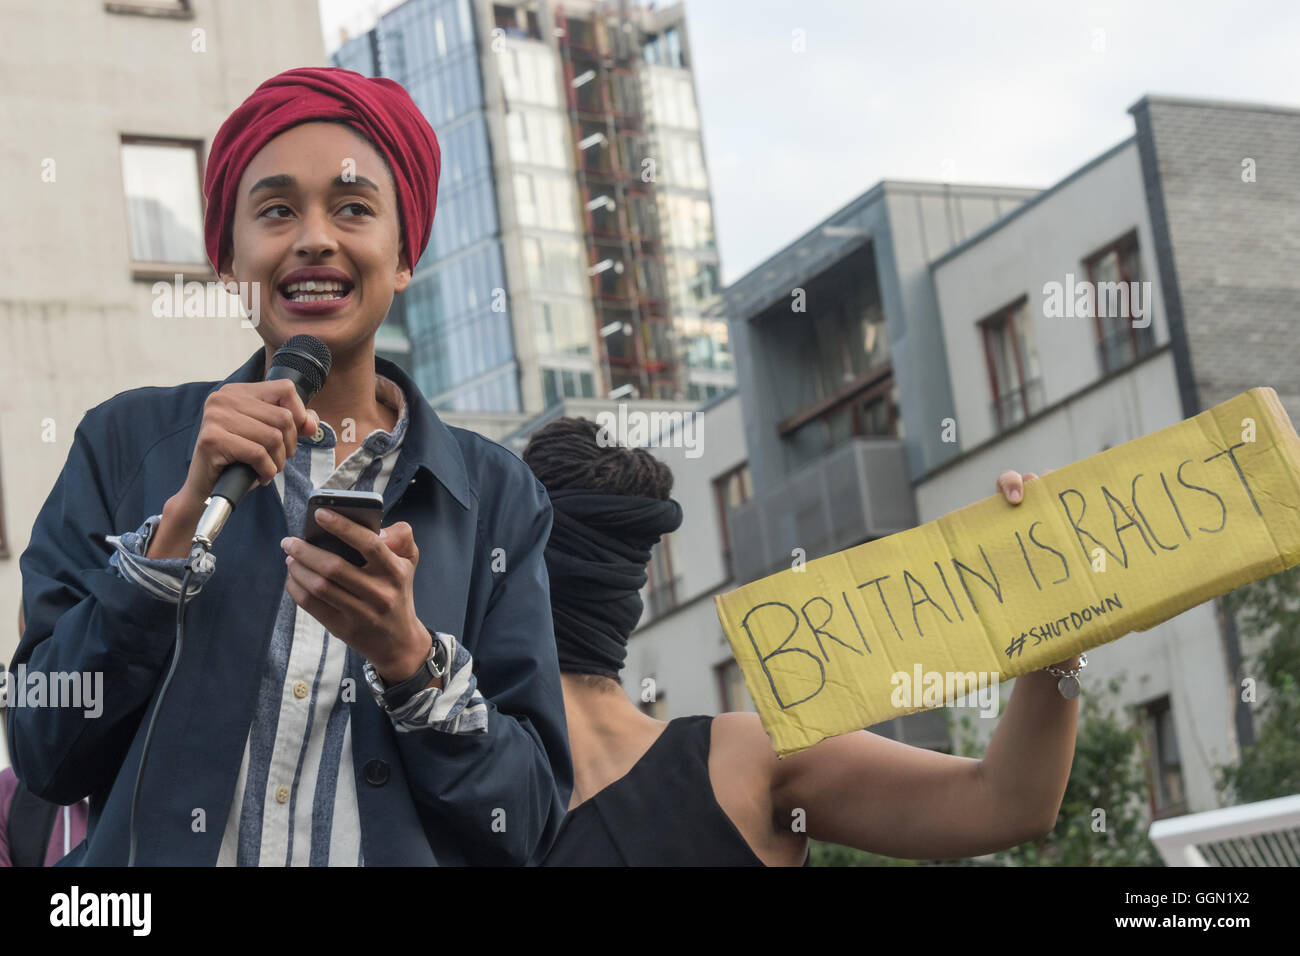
859, 491
1118, 349
1266, 833
663, 596
1009, 409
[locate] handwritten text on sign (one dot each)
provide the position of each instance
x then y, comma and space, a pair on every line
1110, 544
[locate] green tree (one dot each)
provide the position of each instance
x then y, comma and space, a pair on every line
1107, 771
1107, 775
1270, 767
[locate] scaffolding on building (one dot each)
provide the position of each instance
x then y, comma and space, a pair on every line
600, 56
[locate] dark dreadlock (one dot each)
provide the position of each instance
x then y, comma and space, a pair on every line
567, 454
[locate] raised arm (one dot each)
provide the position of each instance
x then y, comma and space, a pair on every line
872, 793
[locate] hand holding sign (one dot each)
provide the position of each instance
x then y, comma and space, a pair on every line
1114, 543
1012, 486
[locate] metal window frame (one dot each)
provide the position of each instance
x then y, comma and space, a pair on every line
182, 10
1155, 762
142, 270
720, 484
1119, 247
1005, 316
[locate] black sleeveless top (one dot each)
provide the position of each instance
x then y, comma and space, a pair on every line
662, 812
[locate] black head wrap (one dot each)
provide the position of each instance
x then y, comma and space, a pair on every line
596, 556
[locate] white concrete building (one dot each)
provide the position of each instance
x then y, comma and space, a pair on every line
679, 644
109, 112
1036, 390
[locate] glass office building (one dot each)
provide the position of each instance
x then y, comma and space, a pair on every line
555, 270
461, 351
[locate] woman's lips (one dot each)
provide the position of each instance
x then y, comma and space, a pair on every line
317, 307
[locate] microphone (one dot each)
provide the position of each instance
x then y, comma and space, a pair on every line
304, 360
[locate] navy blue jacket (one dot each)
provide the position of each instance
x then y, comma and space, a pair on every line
433, 797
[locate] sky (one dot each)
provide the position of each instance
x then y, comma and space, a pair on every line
996, 92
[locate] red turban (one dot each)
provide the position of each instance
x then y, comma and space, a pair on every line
379, 109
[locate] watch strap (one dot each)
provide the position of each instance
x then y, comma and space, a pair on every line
433, 666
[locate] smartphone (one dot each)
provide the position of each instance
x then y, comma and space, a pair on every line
366, 508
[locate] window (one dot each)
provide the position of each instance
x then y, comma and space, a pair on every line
509, 19
1012, 357
662, 583
545, 200
839, 345
175, 9
536, 138
732, 693
164, 213
877, 414
562, 328
528, 75
690, 221
672, 47
704, 343
682, 162
695, 284
665, 48
550, 387
695, 392
554, 265
730, 490
866, 407
1115, 276
653, 51
562, 383
672, 99
1163, 765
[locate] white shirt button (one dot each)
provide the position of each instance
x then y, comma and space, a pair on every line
300, 689
281, 794
320, 433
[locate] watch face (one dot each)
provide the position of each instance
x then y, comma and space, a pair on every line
437, 662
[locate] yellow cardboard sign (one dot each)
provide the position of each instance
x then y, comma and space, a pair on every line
1111, 544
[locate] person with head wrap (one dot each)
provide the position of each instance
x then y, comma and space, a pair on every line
709, 791
404, 711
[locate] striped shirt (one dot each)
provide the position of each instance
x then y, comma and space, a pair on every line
295, 801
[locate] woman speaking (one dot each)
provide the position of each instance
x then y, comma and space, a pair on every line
404, 711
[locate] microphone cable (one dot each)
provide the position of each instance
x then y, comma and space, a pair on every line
306, 361
199, 558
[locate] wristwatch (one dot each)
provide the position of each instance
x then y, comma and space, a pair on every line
434, 666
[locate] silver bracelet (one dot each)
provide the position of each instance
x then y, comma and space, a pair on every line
1068, 685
